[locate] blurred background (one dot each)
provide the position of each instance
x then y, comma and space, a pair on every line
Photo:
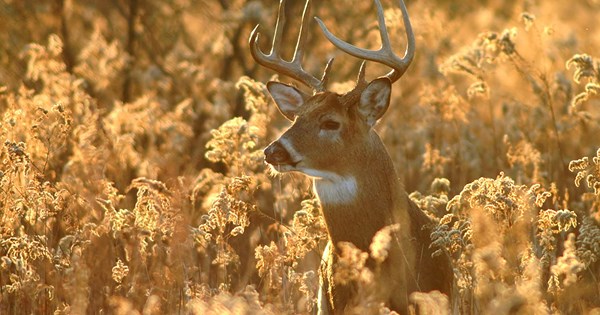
132, 178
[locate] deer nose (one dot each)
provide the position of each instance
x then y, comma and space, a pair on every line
276, 154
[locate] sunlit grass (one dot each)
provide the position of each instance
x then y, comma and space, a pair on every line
132, 178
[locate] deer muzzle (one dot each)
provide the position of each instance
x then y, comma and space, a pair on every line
276, 154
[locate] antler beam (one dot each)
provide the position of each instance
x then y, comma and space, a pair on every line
384, 55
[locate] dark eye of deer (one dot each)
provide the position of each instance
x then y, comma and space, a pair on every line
330, 125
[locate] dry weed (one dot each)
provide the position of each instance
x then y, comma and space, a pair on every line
132, 180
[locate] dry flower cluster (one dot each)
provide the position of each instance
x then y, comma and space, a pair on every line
132, 181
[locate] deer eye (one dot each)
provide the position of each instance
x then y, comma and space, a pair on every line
330, 125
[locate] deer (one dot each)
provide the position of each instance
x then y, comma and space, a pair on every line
332, 140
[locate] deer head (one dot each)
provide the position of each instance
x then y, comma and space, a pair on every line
329, 130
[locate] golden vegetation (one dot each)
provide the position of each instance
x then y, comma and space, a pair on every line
132, 178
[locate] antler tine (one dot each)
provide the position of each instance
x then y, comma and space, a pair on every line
279, 25
409, 53
274, 61
384, 55
299, 51
361, 74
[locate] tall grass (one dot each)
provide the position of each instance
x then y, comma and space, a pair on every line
132, 178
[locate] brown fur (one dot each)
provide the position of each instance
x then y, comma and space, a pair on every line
374, 199
382, 202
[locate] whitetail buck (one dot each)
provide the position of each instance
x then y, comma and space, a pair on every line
332, 140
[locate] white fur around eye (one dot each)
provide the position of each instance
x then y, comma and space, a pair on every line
333, 135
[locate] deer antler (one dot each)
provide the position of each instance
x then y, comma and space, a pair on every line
291, 68
384, 55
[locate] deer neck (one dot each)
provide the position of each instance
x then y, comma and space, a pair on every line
358, 203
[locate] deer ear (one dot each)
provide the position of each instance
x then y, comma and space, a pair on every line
374, 100
287, 98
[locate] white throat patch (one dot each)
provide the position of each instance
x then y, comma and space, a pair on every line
336, 191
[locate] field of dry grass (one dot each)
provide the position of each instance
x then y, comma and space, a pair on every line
132, 177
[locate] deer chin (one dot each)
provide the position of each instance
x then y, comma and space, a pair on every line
319, 174
283, 168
